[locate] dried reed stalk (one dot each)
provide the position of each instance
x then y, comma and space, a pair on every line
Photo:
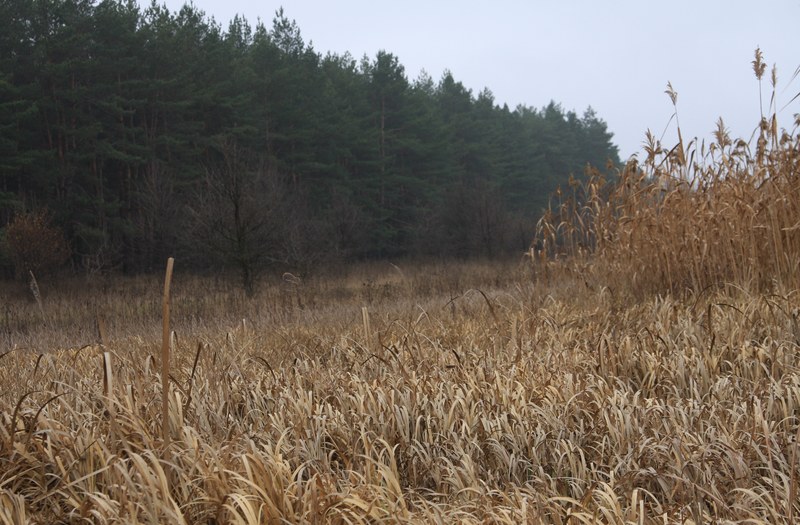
36, 294
101, 331
108, 378
367, 329
165, 355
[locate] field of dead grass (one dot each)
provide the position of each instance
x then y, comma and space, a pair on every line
474, 397
642, 367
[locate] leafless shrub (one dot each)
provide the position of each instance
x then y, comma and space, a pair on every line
35, 245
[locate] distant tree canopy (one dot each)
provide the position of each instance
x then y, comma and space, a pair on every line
117, 120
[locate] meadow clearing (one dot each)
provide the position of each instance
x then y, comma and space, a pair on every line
641, 365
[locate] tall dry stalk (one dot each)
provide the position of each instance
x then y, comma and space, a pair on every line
367, 328
34, 286
165, 356
108, 375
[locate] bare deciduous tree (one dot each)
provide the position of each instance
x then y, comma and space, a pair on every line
239, 213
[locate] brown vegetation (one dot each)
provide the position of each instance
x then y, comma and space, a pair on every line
648, 372
689, 217
473, 398
34, 245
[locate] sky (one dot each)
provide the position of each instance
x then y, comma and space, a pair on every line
615, 55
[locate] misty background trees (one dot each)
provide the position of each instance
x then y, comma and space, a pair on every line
144, 133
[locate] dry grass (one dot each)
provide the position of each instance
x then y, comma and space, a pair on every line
689, 217
649, 374
500, 404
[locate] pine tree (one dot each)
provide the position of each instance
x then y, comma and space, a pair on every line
112, 116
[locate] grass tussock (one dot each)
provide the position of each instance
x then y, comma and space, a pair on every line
647, 372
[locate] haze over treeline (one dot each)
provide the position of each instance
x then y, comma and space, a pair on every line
146, 133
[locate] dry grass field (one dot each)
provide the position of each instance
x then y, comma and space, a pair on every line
641, 366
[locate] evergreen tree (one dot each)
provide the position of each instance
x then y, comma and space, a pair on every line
115, 117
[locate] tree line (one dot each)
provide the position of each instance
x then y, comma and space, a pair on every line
144, 133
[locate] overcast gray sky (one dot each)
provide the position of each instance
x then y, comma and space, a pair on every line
616, 56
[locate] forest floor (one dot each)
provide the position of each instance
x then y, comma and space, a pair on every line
472, 392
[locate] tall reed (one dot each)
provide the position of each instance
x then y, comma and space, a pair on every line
688, 216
